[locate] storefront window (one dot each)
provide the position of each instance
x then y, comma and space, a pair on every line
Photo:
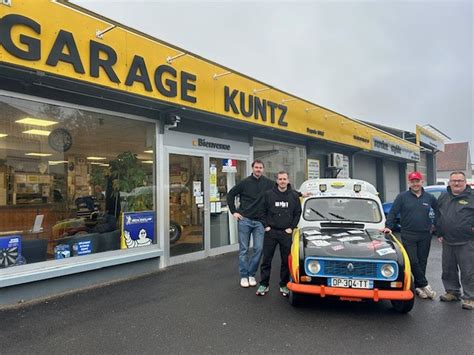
280, 156
72, 182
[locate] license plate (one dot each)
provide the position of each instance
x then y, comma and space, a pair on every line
350, 283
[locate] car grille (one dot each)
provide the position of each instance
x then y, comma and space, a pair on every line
340, 268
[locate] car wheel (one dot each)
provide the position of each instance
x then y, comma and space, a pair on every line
405, 306
175, 232
294, 298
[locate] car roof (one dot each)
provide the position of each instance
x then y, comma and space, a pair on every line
435, 188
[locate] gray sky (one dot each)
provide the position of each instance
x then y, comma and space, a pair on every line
397, 63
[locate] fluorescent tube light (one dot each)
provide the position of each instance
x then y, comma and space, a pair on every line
36, 122
39, 154
96, 158
38, 132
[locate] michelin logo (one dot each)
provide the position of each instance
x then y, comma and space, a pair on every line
137, 220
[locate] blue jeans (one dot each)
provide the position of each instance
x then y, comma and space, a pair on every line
248, 266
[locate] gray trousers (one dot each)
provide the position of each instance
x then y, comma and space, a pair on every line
455, 259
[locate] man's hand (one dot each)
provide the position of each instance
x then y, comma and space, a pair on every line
267, 228
288, 230
387, 230
307, 193
440, 239
238, 216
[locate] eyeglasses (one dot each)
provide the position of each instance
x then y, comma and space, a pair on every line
457, 181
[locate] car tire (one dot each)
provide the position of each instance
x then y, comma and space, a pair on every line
294, 298
175, 232
405, 306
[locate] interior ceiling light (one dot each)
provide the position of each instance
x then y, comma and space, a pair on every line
36, 122
148, 151
57, 162
38, 132
39, 154
96, 158
2, 135
147, 161
99, 164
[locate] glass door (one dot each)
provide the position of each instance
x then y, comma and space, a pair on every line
186, 201
223, 175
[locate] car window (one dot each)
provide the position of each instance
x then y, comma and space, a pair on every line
342, 208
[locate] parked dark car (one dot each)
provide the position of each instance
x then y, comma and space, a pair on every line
435, 190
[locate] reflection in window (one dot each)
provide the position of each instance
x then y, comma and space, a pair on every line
278, 157
342, 209
66, 178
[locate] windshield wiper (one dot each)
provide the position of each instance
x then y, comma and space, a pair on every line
336, 215
319, 214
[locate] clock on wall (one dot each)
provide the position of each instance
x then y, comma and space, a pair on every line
60, 140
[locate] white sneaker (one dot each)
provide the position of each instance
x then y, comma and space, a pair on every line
244, 282
252, 281
430, 293
421, 293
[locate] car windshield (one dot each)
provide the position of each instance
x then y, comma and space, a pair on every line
435, 193
342, 209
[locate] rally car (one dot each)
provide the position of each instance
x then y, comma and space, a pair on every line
339, 250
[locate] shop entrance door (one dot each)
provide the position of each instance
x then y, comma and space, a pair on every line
186, 204
224, 173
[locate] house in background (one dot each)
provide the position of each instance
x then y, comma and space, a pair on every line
456, 157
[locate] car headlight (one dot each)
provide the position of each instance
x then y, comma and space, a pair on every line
387, 270
314, 267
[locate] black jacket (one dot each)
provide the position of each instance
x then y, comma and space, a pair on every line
282, 209
414, 211
455, 216
251, 191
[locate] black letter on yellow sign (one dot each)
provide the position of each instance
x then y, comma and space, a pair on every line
229, 100
33, 44
171, 90
132, 76
95, 61
248, 113
65, 39
261, 108
187, 86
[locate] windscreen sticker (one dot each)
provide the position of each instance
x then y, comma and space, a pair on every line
355, 232
318, 237
385, 251
338, 247
374, 244
313, 232
350, 239
319, 243
343, 234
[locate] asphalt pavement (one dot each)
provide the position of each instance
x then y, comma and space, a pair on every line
199, 308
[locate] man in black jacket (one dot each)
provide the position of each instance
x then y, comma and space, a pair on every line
250, 216
415, 206
455, 227
282, 213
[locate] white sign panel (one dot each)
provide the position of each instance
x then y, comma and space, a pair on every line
313, 168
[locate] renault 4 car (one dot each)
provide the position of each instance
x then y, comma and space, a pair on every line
339, 250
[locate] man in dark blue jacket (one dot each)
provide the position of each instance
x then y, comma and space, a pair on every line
282, 213
455, 227
415, 206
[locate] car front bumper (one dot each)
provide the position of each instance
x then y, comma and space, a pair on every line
351, 293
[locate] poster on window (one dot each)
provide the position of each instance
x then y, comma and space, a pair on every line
10, 250
138, 229
229, 166
344, 173
214, 194
313, 168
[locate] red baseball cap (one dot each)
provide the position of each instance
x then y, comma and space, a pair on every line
415, 175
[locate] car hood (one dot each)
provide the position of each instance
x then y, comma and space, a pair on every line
348, 243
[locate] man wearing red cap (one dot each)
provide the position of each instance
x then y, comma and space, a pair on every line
415, 207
